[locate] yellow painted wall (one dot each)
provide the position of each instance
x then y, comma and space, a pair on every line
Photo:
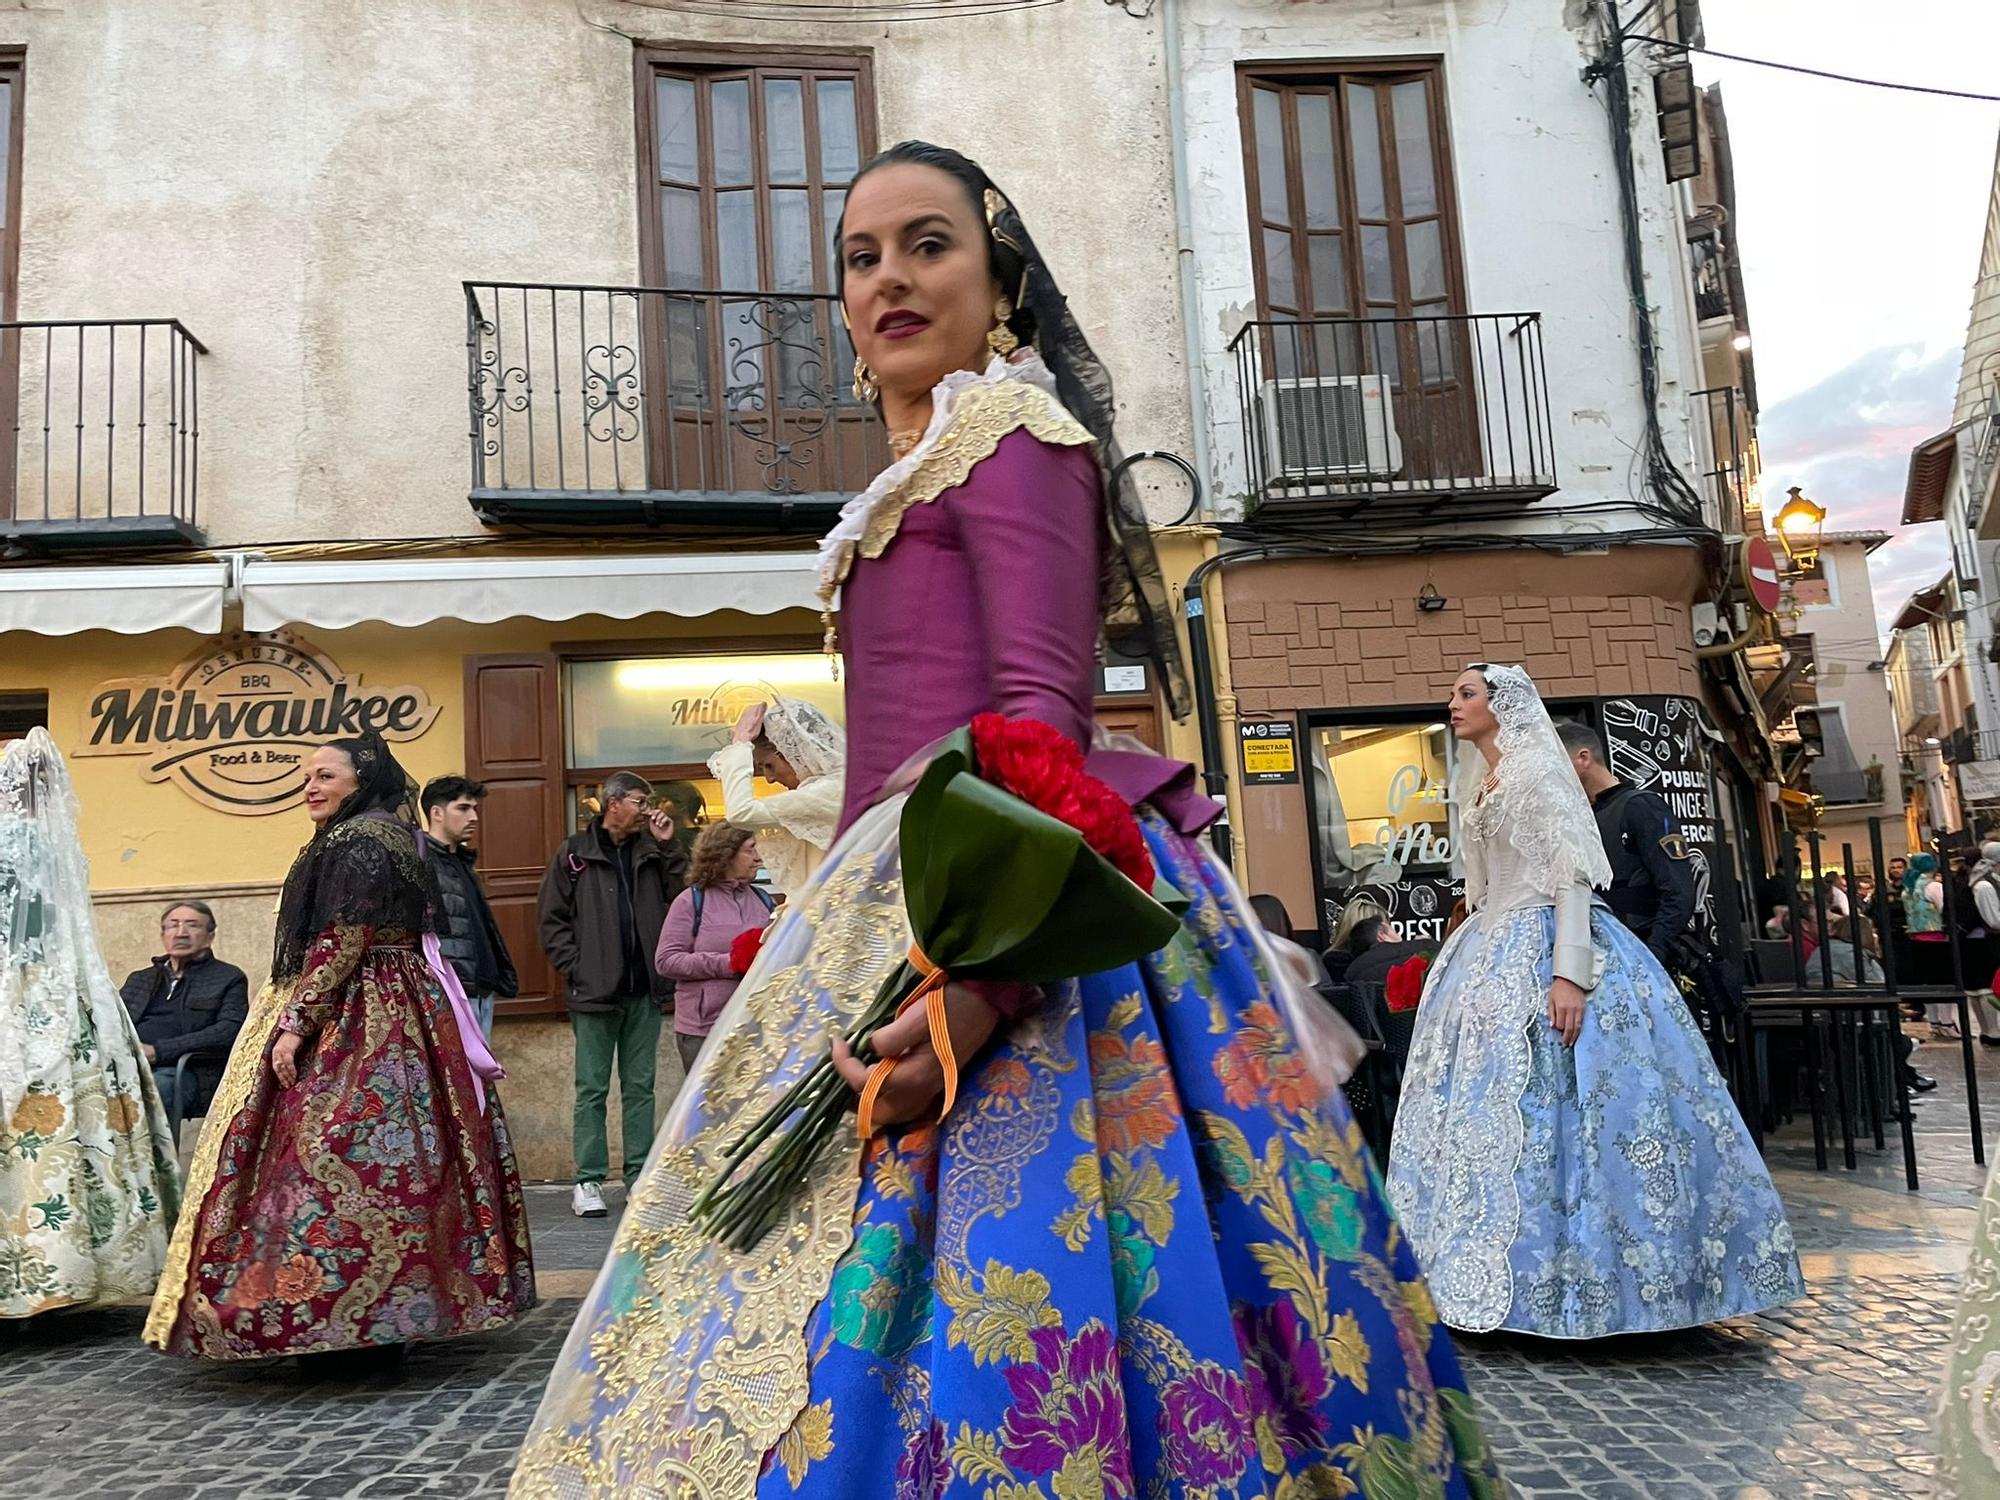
154, 837
147, 842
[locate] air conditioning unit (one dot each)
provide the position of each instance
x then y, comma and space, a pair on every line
1331, 427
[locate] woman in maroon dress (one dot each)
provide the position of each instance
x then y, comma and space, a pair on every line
354, 1188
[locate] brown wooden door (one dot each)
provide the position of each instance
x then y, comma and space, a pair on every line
513, 743
1140, 720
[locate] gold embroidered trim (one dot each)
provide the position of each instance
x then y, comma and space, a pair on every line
239, 1077
982, 416
689, 1361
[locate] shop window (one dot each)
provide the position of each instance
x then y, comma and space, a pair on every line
664, 716
22, 711
1384, 821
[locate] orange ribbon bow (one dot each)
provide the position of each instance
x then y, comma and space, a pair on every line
929, 994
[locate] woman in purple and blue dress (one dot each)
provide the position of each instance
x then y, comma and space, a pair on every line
1146, 1253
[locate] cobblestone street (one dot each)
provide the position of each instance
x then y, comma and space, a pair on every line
1830, 1397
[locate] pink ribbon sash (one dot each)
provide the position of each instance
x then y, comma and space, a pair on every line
484, 1064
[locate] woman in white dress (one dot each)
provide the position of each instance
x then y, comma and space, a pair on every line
1567, 1160
795, 746
88, 1184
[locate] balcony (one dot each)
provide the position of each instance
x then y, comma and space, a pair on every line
1728, 461
106, 435
1708, 262
1847, 792
1408, 416
621, 406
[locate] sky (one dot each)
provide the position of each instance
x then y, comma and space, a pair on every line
1860, 213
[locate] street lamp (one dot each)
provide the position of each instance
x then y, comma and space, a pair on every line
1799, 523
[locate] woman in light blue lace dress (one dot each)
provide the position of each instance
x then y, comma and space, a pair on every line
1567, 1160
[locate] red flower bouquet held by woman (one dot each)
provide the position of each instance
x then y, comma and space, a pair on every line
1018, 867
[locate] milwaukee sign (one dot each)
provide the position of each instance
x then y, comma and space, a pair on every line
234, 723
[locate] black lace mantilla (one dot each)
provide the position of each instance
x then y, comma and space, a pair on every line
364, 872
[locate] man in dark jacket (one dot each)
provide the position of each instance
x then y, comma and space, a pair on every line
1652, 878
603, 902
187, 1003
468, 936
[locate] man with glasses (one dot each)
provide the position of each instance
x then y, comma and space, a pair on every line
187, 1003
603, 902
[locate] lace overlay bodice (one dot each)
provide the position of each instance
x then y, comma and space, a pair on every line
1501, 878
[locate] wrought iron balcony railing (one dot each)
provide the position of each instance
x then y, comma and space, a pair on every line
1727, 465
1708, 263
1364, 415
623, 405
105, 442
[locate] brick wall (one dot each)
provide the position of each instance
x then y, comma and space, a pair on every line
1349, 634
1338, 634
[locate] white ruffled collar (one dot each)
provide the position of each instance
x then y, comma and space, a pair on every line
838, 546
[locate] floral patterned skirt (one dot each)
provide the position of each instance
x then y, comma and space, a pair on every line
88, 1182
371, 1203
1146, 1256
1577, 1192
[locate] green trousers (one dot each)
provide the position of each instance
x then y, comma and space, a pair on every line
630, 1036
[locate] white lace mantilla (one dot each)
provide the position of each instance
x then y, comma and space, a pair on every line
1538, 803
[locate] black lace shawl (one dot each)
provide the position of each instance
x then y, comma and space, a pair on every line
363, 868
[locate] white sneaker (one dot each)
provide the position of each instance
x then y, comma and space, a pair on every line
587, 1202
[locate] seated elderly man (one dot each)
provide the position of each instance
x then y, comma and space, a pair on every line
187, 1001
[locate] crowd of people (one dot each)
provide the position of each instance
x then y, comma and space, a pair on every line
1116, 1231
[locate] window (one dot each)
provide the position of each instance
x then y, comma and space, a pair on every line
22, 711
745, 166
1817, 587
1351, 210
664, 716
1383, 821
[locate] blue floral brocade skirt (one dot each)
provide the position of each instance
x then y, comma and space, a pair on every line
1577, 1192
1147, 1256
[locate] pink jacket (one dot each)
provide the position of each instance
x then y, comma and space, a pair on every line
698, 962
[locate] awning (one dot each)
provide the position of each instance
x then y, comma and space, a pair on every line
130, 601
1930, 469
334, 595
1836, 775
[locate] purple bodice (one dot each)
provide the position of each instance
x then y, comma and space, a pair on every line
987, 600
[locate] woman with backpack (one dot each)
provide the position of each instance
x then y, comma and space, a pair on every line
698, 943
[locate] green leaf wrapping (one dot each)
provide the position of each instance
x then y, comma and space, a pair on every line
998, 890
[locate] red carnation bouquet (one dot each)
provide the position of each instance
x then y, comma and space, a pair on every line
1044, 768
1018, 868
1405, 987
744, 948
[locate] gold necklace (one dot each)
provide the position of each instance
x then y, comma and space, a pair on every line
902, 444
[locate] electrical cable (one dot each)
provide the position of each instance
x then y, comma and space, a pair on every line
1765, 62
1669, 486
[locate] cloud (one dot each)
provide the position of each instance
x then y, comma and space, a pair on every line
1846, 442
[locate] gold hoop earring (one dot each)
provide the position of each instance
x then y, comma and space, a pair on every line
1001, 339
865, 388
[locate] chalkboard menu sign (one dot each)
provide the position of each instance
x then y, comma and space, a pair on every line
1657, 745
